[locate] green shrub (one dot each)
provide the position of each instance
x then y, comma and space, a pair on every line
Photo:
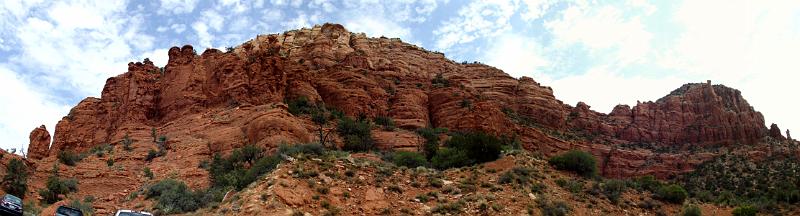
173, 196
55, 187
440, 81
479, 146
241, 168
672, 193
152, 154
307, 149
449, 158
572, 186
692, 210
386, 122
15, 181
431, 136
69, 158
300, 105
409, 159
357, 134
517, 175
613, 189
110, 162
648, 182
580, 162
465, 103
148, 173
555, 208
86, 206
745, 210
126, 143
101, 150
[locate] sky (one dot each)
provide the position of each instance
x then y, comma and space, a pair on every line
55, 53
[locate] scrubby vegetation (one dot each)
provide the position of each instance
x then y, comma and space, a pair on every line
431, 136
173, 196
240, 168
15, 181
736, 180
356, 133
580, 162
386, 122
691, 210
409, 159
69, 158
672, 193
55, 187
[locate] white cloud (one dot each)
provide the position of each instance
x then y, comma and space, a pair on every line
23, 109
178, 28
746, 45
603, 89
79, 53
376, 27
476, 20
203, 36
159, 57
177, 6
535, 9
603, 29
517, 55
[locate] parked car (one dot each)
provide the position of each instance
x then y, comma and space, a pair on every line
132, 213
11, 205
68, 211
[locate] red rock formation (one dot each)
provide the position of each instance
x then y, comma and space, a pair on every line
698, 114
775, 132
218, 101
40, 143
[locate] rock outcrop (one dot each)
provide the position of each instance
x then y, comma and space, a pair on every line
775, 132
216, 101
39, 143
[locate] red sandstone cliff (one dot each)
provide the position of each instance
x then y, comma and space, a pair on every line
217, 101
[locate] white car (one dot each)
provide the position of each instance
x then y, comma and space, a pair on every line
132, 213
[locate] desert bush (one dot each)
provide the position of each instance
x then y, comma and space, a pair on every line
173, 196
356, 133
409, 159
553, 208
691, 210
101, 150
431, 136
572, 186
517, 175
307, 149
85, 206
648, 182
152, 154
613, 189
300, 105
69, 158
440, 81
55, 187
148, 173
580, 162
126, 143
450, 157
15, 181
479, 146
241, 168
745, 210
386, 122
671, 193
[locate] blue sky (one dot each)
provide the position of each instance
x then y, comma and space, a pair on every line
55, 53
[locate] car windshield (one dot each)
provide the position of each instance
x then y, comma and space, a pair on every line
68, 212
131, 214
13, 199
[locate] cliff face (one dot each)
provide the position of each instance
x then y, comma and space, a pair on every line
696, 114
217, 101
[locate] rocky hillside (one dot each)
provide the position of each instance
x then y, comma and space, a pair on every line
169, 120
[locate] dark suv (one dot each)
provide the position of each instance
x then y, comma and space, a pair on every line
11, 205
68, 211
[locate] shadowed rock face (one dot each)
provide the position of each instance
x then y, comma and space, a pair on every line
217, 101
